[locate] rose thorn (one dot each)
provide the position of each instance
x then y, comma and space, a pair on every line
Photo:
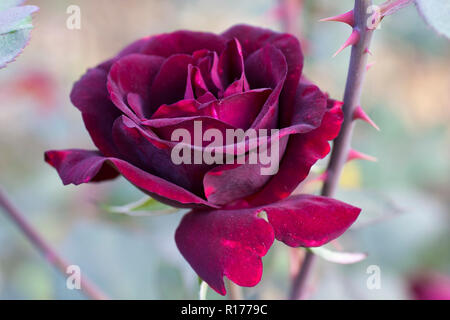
356, 155
348, 18
370, 65
352, 40
360, 114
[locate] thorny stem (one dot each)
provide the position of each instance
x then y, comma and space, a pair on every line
341, 146
89, 289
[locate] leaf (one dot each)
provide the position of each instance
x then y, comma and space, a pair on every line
12, 44
4, 4
16, 18
15, 29
392, 6
144, 207
437, 14
339, 257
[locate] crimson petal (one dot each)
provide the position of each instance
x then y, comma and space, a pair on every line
254, 38
81, 166
154, 157
310, 221
302, 152
187, 42
231, 69
231, 243
133, 74
225, 243
267, 68
169, 85
91, 97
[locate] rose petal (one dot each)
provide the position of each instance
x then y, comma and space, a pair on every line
133, 73
138, 148
239, 110
196, 86
169, 85
165, 128
183, 108
227, 183
81, 166
91, 97
254, 38
225, 243
310, 221
303, 150
267, 68
187, 42
231, 69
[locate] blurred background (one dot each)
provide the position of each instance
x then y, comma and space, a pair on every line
405, 196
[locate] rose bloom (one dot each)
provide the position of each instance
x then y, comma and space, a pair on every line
245, 78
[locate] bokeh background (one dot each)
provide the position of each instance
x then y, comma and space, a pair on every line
405, 196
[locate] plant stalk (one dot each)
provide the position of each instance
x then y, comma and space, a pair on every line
341, 145
88, 288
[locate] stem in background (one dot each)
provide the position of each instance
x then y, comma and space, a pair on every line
234, 291
341, 146
89, 289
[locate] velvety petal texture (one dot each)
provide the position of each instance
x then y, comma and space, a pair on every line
81, 166
231, 242
199, 97
225, 243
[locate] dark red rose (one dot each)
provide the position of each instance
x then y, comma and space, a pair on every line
245, 78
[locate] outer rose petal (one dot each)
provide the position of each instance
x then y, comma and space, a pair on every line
82, 166
225, 243
302, 152
91, 97
229, 182
186, 42
310, 221
231, 242
140, 149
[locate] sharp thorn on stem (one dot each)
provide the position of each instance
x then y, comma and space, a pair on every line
370, 65
352, 40
360, 114
356, 155
348, 18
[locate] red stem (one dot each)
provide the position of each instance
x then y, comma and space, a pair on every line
341, 146
89, 289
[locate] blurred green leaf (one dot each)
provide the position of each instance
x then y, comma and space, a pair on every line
4, 4
15, 30
17, 18
437, 14
145, 207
